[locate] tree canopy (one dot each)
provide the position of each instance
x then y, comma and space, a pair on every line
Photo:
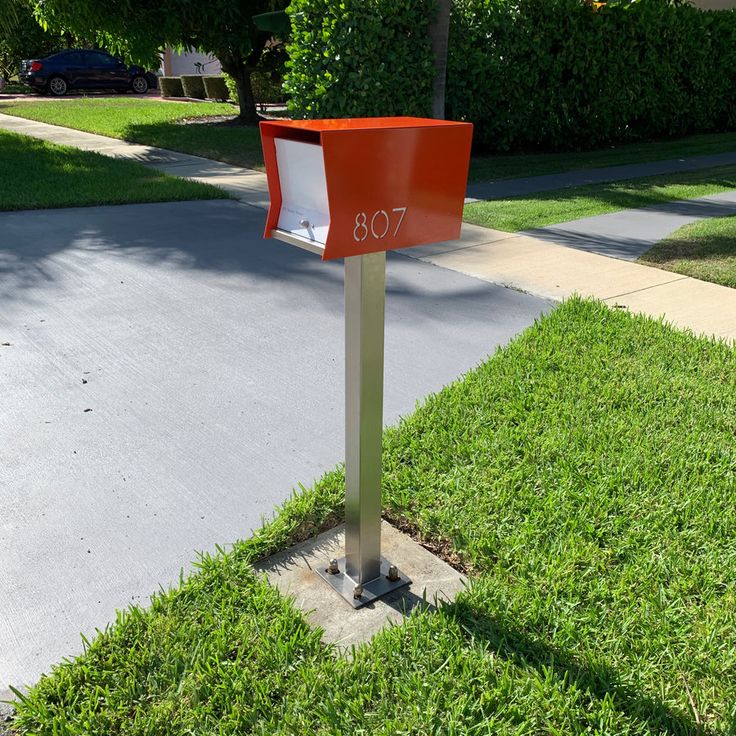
138, 29
21, 37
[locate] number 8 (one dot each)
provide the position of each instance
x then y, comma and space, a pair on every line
358, 225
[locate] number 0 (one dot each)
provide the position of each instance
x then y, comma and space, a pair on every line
373, 222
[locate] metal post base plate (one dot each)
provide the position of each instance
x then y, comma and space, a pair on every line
372, 590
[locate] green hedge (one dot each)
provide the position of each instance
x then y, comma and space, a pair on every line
170, 87
193, 85
215, 88
551, 74
266, 89
359, 57
560, 74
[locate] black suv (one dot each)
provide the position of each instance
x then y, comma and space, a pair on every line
82, 69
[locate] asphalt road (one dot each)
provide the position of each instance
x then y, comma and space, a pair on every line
169, 378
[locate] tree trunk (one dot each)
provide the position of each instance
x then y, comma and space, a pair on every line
439, 31
240, 73
248, 113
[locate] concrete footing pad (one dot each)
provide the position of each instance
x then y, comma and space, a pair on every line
293, 572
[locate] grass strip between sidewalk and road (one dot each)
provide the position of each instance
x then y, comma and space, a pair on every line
153, 123
584, 476
157, 123
35, 174
704, 250
562, 205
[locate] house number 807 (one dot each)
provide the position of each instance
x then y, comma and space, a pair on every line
378, 225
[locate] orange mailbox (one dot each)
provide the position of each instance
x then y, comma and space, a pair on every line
354, 189
362, 185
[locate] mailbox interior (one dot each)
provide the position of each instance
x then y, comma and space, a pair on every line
305, 209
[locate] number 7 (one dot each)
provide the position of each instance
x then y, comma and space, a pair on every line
401, 219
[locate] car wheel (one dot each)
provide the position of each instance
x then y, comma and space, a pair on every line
139, 85
58, 86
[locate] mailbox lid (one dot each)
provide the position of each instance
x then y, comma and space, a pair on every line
280, 127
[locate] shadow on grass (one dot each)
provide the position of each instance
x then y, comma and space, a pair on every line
651, 192
709, 258
598, 680
238, 145
712, 247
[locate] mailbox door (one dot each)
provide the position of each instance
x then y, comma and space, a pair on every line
394, 188
304, 207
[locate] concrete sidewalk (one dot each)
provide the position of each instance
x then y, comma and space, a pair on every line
245, 185
556, 272
628, 234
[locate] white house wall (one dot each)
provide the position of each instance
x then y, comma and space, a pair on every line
176, 64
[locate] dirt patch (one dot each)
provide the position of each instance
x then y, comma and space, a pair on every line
230, 121
441, 548
6, 720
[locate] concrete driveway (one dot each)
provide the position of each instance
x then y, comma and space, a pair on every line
169, 378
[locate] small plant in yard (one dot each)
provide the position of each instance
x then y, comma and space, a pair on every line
585, 474
193, 85
215, 88
171, 86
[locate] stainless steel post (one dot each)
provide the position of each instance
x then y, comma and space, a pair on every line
365, 278
362, 575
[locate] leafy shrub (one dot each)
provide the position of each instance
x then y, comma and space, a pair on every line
193, 85
560, 74
215, 88
21, 37
171, 86
266, 88
551, 74
231, 88
359, 57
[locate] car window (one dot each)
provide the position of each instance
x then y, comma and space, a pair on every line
94, 58
70, 58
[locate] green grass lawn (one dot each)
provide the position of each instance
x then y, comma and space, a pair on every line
585, 476
152, 122
35, 174
705, 250
485, 168
549, 208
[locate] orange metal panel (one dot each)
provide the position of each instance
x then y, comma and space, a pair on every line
391, 182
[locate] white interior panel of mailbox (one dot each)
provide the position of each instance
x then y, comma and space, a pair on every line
304, 208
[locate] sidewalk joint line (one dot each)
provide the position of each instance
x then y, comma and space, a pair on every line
646, 288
